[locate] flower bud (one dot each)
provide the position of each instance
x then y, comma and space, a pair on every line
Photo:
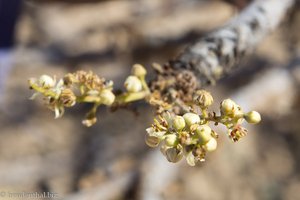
211, 145
174, 154
171, 140
204, 133
67, 97
203, 98
133, 84
191, 118
46, 81
228, 107
252, 117
107, 97
138, 70
178, 123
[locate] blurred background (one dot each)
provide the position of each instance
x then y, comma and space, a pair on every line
110, 160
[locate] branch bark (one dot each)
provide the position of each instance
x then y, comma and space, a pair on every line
219, 52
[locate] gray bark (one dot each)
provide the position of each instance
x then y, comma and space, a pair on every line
219, 52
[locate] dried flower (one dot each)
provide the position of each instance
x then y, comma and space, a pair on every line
67, 97
153, 138
190, 159
174, 154
203, 98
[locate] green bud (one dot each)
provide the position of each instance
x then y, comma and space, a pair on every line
211, 145
46, 81
138, 70
107, 97
204, 133
203, 98
252, 117
228, 107
178, 122
171, 140
191, 118
174, 154
133, 84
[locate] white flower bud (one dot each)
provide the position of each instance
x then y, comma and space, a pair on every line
107, 97
133, 84
204, 133
228, 107
178, 123
171, 140
138, 70
252, 117
211, 145
203, 98
174, 154
46, 81
191, 118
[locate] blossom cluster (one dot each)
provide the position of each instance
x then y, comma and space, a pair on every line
190, 135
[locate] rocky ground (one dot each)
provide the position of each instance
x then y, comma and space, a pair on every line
110, 160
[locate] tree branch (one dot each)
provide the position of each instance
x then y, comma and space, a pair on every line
219, 52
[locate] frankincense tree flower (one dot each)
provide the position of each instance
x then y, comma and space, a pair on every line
178, 130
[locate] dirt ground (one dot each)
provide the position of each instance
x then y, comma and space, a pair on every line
110, 160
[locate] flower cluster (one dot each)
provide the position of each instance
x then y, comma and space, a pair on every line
182, 136
77, 87
190, 136
182, 126
87, 87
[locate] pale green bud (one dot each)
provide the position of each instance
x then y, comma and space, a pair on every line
173, 154
191, 118
138, 70
107, 97
211, 145
228, 107
204, 133
171, 140
203, 98
178, 122
46, 81
133, 84
252, 117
